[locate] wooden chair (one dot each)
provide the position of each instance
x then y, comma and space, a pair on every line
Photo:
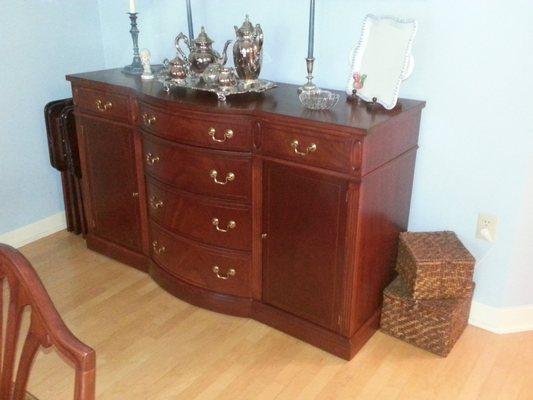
46, 329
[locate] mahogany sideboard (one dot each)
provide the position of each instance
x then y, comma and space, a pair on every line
256, 207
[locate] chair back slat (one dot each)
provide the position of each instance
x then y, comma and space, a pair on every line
31, 345
46, 329
14, 317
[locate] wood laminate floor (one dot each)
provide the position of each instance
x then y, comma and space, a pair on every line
153, 346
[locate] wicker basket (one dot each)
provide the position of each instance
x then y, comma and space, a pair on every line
433, 325
435, 265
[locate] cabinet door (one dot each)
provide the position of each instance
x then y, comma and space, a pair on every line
109, 158
304, 217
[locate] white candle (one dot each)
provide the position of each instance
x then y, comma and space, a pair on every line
132, 7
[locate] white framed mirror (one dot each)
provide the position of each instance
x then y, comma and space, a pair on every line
382, 59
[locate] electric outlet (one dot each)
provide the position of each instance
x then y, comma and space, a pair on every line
486, 227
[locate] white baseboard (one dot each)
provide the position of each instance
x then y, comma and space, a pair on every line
35, 231
502, 320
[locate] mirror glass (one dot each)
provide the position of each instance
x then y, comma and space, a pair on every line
382, 59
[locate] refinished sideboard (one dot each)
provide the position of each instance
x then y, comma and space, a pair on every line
256, 207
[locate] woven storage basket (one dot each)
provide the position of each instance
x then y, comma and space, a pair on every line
433, 325
435, 265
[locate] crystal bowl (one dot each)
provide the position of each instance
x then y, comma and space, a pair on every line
319, 99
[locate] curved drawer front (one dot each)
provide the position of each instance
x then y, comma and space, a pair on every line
312, 148
102, 104
219, 271
206, 220
196, 170
199, 129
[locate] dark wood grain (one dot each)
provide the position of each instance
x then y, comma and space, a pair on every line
304, 218
332, 152
102, 103
193, 262
110, 181
383, 213
191, 215
219, 302
194, 128
189, 168
46, 330
315, 235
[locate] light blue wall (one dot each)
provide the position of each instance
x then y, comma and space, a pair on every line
41, 41
473, 66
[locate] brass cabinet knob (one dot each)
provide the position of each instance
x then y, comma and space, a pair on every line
149, 119
158, 249
135, 195
151, 159
216, 223
230, 176
101, 106
227, 135
155, 203
310, 149
231, 272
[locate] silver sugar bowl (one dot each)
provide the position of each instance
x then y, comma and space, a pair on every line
248, 50
227, 78
211, 75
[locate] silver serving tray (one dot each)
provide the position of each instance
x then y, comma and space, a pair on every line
242, 87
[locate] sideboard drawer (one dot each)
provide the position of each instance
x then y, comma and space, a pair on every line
311, 147
207, 220
220, 271
199, 129
208, 172
109, 105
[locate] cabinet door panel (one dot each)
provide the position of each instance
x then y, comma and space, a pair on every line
303, 260
112, 185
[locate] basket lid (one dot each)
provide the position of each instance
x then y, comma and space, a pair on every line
436, 246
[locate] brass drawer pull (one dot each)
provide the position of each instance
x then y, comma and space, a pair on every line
155, 203
158, 249
149, 119
231, 225
231, 272
228, 135
101, 106
230, 176
151, 159
310, 149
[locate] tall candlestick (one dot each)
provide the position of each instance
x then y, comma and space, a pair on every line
132, 7
135, 68
189, 20
311, 29
310, 60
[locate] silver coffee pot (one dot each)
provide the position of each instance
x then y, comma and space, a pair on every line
201, 52
248, 50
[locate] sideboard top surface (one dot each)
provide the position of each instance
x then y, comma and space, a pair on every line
282, 101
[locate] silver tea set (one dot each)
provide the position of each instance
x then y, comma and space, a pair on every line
204, 68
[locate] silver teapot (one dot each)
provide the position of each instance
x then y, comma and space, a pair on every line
248, 50
201, 52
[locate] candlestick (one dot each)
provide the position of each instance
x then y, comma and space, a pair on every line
189, 20
310, 60
311, 42
136, 67
132, 7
